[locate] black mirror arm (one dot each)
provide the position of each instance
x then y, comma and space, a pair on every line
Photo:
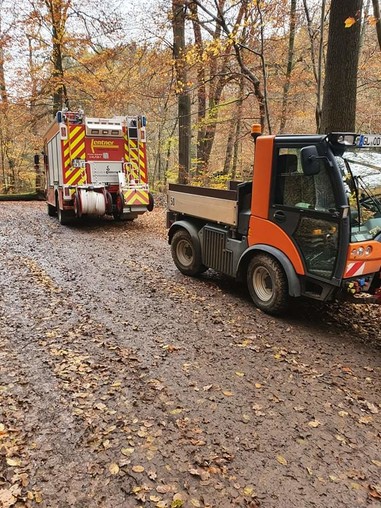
321, 157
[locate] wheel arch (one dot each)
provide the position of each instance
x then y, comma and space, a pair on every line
294, 286
191, 228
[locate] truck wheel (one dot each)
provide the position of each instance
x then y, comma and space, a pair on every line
119, 205
267, 284
64, 217
52, 210
77, 206
151, 202
185, 255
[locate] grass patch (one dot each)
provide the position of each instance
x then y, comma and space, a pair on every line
29, 196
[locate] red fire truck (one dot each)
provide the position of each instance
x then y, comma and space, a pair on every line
96, 166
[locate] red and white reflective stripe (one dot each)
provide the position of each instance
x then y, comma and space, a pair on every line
356, 268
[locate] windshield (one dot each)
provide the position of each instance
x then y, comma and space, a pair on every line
361, 170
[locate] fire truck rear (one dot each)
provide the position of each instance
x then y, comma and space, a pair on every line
96, 167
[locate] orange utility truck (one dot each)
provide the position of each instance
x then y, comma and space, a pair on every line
96, 166
307, 225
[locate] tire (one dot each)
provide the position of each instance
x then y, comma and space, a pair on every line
52, 210
185, 255
108, 201
64, 217
151, 202
119, 205
267, 284
77, 205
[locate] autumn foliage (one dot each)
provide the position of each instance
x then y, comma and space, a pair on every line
239, 64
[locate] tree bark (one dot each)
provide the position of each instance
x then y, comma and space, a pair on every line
376, 14
290, 64
58, 16
183, 97
339, 100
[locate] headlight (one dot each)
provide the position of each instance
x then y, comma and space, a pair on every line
361, 251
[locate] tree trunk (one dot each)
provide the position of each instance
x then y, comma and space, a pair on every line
316, 61
6, 138
290, 59
376, 14
229, 146
201, 91
238, 127
339, 100
58, 16
183, 97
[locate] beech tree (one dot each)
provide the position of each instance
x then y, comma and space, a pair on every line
182, 89
339, 100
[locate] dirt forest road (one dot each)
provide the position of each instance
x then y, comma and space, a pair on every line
125, 384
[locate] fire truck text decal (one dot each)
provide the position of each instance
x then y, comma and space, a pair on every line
103, 143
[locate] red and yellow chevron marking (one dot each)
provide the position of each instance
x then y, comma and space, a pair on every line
74, 148
135, 154
136, 197
143, 162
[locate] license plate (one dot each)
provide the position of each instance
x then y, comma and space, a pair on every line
368, 140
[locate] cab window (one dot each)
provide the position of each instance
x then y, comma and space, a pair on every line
295, 189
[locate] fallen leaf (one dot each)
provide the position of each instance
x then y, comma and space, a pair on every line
375, 491
163, 489
195, 502
113, 468
372, 407
239, 374
228, 393
281, 460
349, 22
7, 499
314, 423
366, 419
377, 463
248, 491
176, 411
13, 462
137, 469
127, 451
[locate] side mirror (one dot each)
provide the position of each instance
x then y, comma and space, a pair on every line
310, 160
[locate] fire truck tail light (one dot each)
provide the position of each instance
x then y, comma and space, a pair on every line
368, 250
